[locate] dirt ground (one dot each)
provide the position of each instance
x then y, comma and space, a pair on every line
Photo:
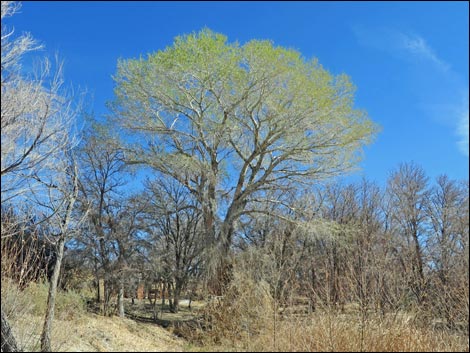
142, 309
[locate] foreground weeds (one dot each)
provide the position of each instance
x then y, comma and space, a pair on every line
248, 319
338, 333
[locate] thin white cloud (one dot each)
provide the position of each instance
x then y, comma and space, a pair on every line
412, 47
408, 45
416, 45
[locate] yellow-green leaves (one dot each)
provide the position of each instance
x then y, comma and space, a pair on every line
265, 111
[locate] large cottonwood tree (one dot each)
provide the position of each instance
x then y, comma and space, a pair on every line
231, 122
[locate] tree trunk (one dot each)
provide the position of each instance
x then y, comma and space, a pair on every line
107, 297
176, 296
163, 301
47, 328
313, 288
8, 341
121, 299
419, 266
170, 295
208, 211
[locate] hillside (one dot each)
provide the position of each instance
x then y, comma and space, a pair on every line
94, 333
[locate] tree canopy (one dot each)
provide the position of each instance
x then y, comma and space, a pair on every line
231, 122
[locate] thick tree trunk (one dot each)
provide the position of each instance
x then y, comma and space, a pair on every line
121, 299
176, 296
49, 318
208, 213
8, 341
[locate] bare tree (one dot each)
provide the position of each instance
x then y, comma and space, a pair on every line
443, 205
36, 131
37, 115
59, 207
125, 228
447, 208
408, 190
102, 176
175, 223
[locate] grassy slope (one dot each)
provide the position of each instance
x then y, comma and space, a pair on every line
94, 333
106, 334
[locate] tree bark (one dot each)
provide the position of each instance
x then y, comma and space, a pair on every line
8, 341
163, 302
47, 328
121, 300
176, 296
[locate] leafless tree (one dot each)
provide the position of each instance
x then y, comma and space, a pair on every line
448, 212
176, 230
409, 194
37, 118
37, 113
101, 178
59, 207
125, 228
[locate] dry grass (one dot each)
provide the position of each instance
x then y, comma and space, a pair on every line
326, 333
235, 318
247, 319
245, 322
112, 334
25, 310
74, 329
343, 333
94, 333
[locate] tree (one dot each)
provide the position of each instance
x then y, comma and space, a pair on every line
8, 341
174, 221
60, 204
36, 122
230, 122
408, 191
442, 208
36, 113
447, 208
101, 179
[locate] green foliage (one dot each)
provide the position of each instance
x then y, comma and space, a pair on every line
202, 93
234, 122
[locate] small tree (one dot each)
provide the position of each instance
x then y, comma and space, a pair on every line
61, 222
174, 221
100, 182
408, 191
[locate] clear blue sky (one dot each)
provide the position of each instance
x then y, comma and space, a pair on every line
409, 60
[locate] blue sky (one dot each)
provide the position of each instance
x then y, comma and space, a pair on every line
409, 60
